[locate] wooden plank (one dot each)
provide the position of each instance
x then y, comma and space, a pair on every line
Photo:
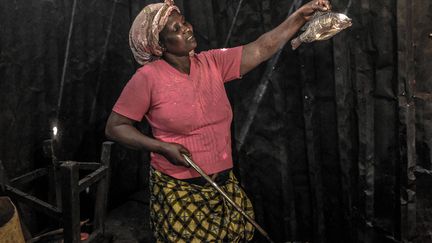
70, 202
34, 202
28, 177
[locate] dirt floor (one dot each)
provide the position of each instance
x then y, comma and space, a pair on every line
129, 223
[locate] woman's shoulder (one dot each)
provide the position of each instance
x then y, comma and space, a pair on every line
150, 68
151, 71
147, 74
212, 53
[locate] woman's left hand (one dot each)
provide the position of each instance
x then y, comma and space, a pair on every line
307, 10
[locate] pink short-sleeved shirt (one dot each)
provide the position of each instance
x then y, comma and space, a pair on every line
192, 110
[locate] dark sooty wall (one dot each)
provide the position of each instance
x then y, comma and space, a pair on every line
333, 143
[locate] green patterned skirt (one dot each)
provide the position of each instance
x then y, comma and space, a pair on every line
184, 212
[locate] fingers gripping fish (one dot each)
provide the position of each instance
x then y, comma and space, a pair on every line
322, 26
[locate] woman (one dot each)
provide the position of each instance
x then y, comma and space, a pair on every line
182, 96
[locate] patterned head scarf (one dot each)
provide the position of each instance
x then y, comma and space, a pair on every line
144, 33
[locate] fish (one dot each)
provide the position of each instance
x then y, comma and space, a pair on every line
322, 26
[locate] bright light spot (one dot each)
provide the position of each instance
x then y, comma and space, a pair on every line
54, 131
224, 49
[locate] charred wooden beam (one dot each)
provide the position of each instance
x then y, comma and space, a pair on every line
91, 178
70, 202
28, 177
88, 165
34, 202
101, 202
54, 194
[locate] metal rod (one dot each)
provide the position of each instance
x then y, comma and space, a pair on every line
66, 58
262, 87
102, 62
201, 172
233, 24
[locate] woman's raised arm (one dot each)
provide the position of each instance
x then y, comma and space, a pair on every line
269, 43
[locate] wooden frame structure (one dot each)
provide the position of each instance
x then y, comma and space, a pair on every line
67, 180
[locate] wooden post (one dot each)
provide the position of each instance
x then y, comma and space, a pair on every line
70, 201
54, 196
102, 189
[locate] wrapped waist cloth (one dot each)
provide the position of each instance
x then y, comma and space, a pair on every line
185, 212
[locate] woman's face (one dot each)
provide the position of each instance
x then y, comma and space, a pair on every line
177, 35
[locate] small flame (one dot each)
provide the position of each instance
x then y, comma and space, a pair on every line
55, 131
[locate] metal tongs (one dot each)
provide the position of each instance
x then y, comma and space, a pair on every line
208, 179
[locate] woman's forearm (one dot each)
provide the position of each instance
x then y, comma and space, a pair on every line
270, 42
121, 129
131, 137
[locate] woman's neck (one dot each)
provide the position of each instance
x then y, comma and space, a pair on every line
182, 64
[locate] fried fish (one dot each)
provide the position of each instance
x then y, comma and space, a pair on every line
322, 26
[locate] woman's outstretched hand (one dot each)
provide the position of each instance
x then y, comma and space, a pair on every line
173, 152
307, 10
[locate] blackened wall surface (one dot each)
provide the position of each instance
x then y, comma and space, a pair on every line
337, 147
414, 82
